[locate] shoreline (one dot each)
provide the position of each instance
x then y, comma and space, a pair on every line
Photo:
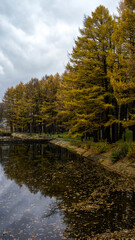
20, 138
123, 167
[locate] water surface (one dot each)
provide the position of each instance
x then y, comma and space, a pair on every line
47, 192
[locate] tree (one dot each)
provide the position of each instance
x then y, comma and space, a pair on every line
48, 108
9, 100
122, 65
86, 85
32, 102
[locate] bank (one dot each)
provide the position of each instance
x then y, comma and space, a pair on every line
124, 167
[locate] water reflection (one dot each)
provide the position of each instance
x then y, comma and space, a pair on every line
81, 197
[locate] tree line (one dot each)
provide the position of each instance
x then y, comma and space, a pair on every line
96, 93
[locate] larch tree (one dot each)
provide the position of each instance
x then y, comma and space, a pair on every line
19, 110
86, 85
9, 100
122, 65
48, 108
32, 98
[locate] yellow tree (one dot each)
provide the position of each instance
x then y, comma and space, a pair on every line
32, 101
48, 107
15, 107
9, 100
19, 110
122, 64
86, 85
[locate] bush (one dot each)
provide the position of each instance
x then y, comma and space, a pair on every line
115, 156
101, 147
120, 153
87, 146
131, 153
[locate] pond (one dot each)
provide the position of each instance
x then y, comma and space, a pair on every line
46, 192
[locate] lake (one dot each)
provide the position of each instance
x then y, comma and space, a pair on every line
46, 192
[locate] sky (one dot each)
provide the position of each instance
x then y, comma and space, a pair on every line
36, 36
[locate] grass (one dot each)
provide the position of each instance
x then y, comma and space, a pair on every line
71, 150
98, 148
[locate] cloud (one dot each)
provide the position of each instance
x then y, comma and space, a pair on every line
5, 61
1, 70
35, 37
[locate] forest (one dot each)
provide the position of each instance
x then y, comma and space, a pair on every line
95, 96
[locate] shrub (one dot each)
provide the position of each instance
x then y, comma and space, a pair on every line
87, 146
120, 153
115, 156
131, 153
101, 147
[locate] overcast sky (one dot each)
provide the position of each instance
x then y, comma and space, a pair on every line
37, 35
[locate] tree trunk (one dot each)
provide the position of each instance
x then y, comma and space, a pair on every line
121, 130
106, 134
114, 132
133, 129
103, 133
95, 136
99, 134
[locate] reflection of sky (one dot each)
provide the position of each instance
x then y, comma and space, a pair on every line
24, 212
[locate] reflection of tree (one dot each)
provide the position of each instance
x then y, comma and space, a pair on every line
54, 207
87, 194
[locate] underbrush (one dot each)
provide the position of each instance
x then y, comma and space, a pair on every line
131, 153
101, 147
120, 152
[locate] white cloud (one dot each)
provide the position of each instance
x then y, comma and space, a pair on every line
5, 61
1, 70
36, 36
